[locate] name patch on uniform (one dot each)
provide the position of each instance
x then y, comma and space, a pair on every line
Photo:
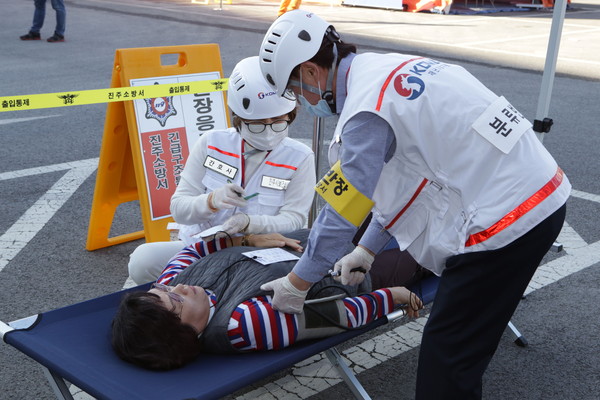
274, 183
502, 125
335, 189
220, 167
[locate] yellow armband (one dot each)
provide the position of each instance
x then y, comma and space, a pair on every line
351, 204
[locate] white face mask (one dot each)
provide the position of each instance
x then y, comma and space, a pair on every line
266, 140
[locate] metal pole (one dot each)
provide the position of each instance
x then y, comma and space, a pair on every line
558, 16
346, 374
317, 142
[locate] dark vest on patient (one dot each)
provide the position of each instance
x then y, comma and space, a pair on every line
235, 278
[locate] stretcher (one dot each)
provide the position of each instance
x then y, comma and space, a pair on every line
72, 344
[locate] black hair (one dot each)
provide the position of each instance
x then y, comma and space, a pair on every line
146, 334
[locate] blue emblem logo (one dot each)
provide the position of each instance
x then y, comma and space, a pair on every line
409, 86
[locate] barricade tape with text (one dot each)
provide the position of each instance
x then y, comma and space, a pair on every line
77, 98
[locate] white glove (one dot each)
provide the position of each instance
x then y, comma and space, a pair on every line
358, 258
236, 223
286, 298
228, 196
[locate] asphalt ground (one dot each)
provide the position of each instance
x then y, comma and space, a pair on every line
48, 159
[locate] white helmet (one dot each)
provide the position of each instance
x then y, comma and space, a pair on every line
249, 96
292, 39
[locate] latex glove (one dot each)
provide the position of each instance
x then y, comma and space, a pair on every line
286, 298
228, 196
358, 258
236, 223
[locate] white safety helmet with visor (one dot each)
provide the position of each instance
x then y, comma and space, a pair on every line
292, 39
252, 99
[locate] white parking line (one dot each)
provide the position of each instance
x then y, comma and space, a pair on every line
33, 220
15, 120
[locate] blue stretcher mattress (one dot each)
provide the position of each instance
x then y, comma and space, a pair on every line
74, 343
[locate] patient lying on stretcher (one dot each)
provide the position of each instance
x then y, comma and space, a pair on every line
213, 303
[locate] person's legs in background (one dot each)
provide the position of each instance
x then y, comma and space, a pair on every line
39, 14
288, 5
294, 5
477, 296
61, 18
283, 7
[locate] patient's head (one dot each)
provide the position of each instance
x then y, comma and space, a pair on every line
158, 329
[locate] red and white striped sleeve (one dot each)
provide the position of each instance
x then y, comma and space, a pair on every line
366, 308
187, 256
256, 326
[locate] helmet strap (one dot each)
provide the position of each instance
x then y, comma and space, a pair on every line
328, 93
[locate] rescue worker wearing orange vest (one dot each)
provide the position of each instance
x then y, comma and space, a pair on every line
449, 169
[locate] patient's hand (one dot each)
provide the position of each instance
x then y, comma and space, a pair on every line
402, 295
274, 240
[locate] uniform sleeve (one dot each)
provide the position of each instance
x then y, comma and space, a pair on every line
189, 202
299, 195
375, 237
367, 141
187, 256
366, 308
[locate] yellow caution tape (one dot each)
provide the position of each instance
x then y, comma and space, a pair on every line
78, 98
343, 197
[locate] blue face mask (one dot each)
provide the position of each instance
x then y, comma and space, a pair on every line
319, 110
323, 108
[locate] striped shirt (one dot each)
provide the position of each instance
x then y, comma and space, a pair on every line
255, 325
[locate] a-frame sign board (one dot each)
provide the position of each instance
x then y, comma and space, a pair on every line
121, 177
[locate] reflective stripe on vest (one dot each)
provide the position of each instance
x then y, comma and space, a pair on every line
519, 211
412, 199
281, 165
224, 152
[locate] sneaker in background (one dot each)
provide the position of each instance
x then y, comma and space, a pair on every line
56, 38
31, 36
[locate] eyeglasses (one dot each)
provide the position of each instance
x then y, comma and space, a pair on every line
173, 296
259, 127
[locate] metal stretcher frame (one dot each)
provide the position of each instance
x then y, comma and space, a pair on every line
72, 344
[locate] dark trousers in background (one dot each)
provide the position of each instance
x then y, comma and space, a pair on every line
477, 296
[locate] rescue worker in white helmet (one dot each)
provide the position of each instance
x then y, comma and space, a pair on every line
449, 169
251, 178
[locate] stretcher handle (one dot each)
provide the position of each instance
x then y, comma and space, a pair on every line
395, 315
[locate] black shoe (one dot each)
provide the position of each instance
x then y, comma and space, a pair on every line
56, 38
31, 36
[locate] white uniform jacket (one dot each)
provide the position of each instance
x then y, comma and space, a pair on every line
459, 181
284, 179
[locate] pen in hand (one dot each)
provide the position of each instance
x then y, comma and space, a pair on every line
240, 195
236, 192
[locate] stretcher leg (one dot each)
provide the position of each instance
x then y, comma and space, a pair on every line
557, 247
520, 339
347, 375
59, 387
